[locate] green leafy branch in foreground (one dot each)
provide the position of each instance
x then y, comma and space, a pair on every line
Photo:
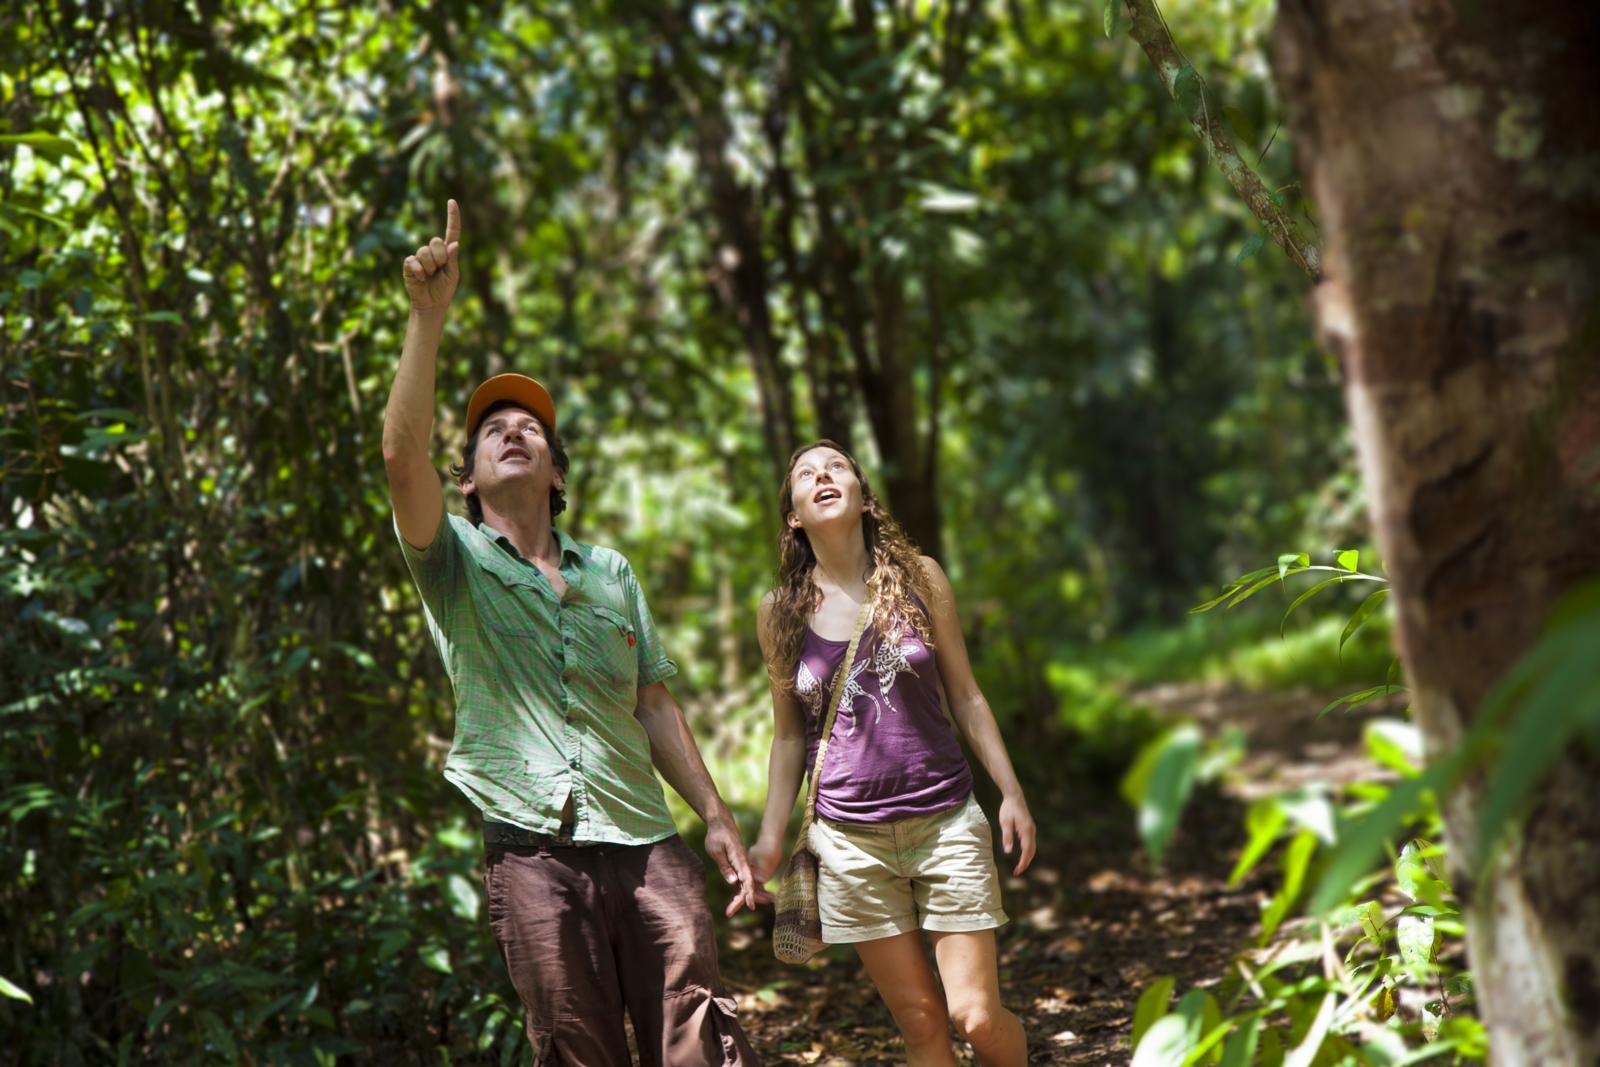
1390, 986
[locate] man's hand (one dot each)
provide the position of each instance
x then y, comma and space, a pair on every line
727, 851
1016, 828
432, 274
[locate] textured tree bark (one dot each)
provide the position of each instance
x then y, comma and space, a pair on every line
1454, 156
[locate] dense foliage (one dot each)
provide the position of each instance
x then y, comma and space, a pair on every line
971, 239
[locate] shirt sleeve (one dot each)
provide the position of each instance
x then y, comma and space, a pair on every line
654, 665
436, 569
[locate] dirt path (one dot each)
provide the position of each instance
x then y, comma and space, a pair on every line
1092, 922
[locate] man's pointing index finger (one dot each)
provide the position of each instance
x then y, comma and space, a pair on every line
452, 222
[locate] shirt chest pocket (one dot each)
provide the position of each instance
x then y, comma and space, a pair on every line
508, 602
610, 644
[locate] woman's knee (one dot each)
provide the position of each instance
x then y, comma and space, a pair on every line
921, 1019
978, 1019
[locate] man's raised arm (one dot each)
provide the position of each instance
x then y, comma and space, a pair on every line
431, 276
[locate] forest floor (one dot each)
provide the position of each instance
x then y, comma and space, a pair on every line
1092, 922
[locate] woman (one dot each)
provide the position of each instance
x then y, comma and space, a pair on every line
903, 845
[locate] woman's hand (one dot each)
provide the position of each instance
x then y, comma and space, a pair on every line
765, 855
1016, 828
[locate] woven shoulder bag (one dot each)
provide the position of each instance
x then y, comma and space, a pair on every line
797, 934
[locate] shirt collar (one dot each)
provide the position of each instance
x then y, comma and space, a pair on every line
569, 547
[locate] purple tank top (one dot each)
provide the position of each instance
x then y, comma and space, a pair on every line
892, 754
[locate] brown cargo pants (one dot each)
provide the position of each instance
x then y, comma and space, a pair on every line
588, 931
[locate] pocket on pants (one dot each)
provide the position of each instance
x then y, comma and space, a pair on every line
545, 1053
704, 1028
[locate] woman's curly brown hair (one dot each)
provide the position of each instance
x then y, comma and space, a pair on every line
895, 572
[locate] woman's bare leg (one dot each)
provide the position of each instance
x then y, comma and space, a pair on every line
899, 968
971, 975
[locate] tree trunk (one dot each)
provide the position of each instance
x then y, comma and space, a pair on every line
1451, 150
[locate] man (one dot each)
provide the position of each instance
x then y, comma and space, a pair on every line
561, 710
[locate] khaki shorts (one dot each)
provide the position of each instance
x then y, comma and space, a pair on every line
934, 871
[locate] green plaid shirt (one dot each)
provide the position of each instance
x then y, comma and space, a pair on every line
545, 686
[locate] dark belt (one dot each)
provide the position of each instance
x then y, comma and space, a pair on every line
504, 833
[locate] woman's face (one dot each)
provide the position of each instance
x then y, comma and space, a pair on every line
823, 488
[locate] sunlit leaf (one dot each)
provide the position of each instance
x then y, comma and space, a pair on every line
1362, 613
1263, 821
1306, 1051
1159, 783
1151, 1006
463, 897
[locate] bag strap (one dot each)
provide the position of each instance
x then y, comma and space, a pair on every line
839, 686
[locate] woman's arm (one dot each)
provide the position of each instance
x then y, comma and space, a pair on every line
785, 764
974, 717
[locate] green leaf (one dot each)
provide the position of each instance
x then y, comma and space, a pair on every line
436, 957
1159, 783
1241, 1047
8, 988
1310, 809
1351, 701
1306, 1051
1232, 588
34, 213
1152, 1005
1263, 820
1187, 90
1394, 744
1296, 858
1112, 17
1362, 613
1361, 840
217, 1033
1213, 1028
1251, 246
47, 145
1165, 1044
1292, 561
463, 897
1350, 559
1561, 679
1314, 590
1418, 941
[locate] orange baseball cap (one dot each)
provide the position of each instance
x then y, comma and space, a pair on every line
518, 388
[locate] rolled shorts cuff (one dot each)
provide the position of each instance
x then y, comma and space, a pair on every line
851, 935
964, 924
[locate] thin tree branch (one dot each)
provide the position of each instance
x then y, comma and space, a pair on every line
1150, 30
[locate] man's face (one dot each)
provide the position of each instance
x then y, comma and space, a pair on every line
512, 450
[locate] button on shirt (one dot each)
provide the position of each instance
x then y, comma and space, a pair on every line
545, 686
